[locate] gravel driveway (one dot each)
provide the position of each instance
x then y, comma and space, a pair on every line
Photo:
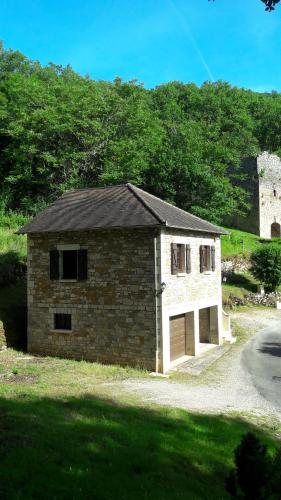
225, 387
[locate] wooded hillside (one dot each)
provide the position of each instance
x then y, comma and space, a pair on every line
59, 130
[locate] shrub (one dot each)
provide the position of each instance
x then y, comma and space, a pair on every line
266, 265
256, 475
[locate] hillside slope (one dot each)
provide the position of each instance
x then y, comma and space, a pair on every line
239, 243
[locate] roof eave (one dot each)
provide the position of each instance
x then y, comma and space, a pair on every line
103, 228
208, 231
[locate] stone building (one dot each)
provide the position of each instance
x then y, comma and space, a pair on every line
117, 275
262, 180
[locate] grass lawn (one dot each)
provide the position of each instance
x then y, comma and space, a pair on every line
239, 243
239, 284
67, 433
12, 246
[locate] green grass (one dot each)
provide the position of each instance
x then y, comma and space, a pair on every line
239, 243
72, 433
242, 243
239, 284
12, 246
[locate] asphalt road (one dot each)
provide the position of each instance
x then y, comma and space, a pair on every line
262, 359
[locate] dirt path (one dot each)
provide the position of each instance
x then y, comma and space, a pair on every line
225, 387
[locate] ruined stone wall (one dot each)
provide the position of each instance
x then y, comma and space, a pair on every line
250, 183
269, 170
262, 181
113, 311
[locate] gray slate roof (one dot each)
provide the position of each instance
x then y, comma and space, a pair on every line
124, 206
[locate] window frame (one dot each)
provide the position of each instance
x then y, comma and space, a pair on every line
63, 330
65, 248
57, 275
180, 259
209, 266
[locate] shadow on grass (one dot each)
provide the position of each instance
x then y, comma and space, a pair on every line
90, 448
243, 281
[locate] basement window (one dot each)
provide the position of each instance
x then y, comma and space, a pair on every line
62, 322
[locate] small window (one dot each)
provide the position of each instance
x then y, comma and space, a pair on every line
274, 193
68, 264
62, 321
207, 258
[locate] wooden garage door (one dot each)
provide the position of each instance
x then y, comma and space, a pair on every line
177, 337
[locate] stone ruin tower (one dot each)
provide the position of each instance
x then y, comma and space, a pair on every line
263, 183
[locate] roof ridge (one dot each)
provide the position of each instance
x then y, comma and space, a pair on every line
132, 188
93, 188
175, 207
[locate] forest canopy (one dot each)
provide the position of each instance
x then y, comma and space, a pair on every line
60, 130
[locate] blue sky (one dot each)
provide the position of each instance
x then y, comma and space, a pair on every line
153, 40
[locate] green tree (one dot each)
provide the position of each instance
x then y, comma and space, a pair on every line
59, 130
266, 265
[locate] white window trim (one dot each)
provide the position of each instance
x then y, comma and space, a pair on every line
69, 247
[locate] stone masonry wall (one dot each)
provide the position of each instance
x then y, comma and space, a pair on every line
185, 293
195, 289
269, 170
113, 312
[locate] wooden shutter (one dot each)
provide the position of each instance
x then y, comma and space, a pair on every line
201, 250
188, 259
82, 264
54, 264
174, 258
213, 256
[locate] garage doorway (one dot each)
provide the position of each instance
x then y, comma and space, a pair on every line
177, 337
204, 326
182, 336
209, 325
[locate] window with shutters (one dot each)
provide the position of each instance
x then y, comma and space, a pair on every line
180, 258
62, 322
68, 264
207, 258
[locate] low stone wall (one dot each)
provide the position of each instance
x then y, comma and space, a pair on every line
267, 299
236, 264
